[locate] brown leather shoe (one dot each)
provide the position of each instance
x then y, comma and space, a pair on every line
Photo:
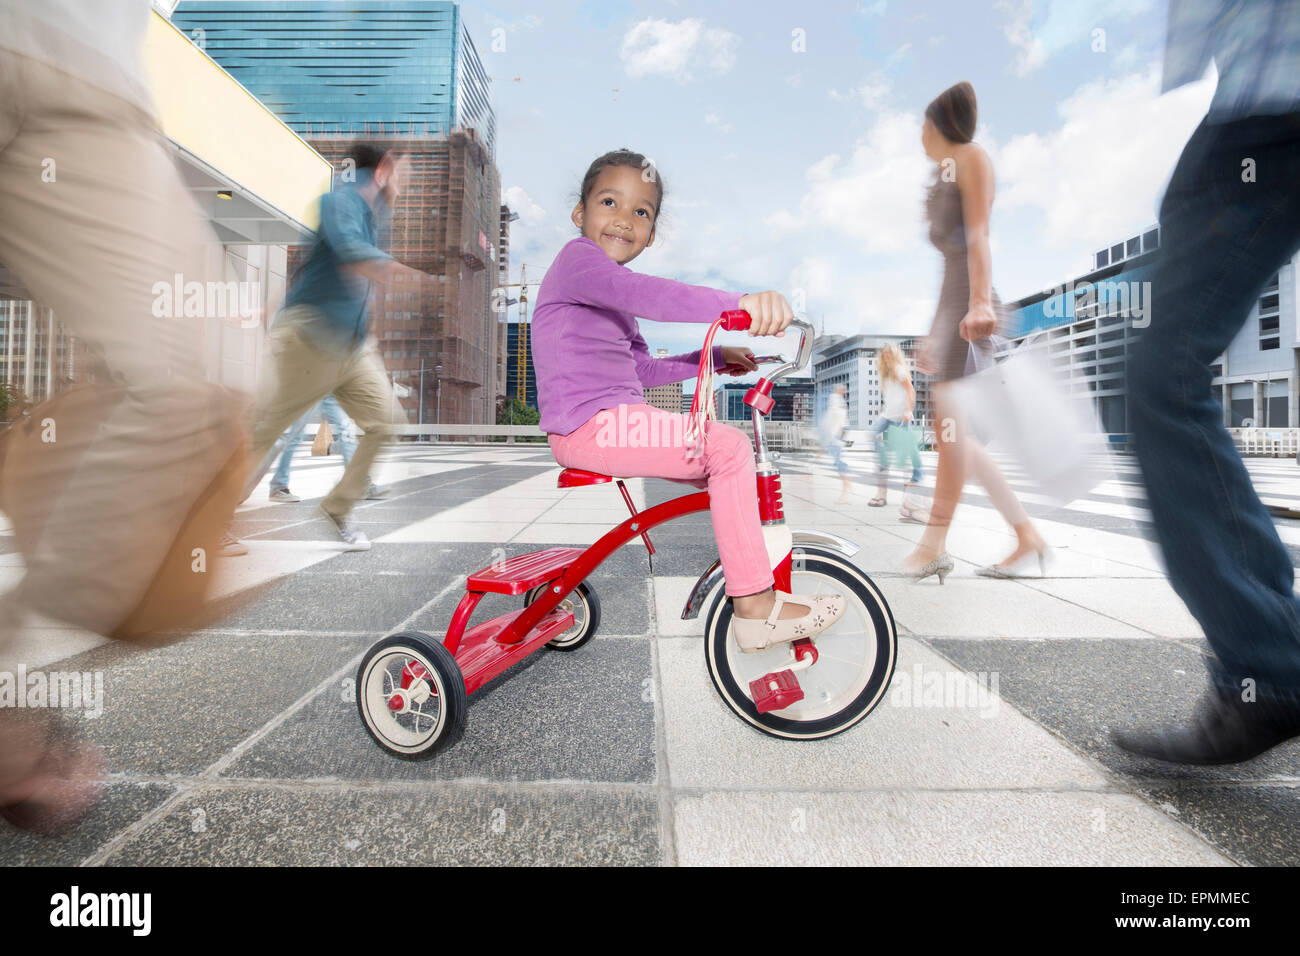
60, 783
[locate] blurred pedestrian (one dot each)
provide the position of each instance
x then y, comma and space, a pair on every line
321, 341
898, 401
118, 487
341, 428
958, 207
1229, 220
834, 422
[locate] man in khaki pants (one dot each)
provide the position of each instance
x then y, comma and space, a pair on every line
320, 342
98, 487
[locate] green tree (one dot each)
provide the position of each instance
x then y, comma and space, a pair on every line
515, 412
11, 400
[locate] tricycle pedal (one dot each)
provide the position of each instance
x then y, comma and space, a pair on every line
775, 691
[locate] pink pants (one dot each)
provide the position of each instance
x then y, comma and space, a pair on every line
638, 441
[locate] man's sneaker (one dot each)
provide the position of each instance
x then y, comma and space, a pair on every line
231, 547
283, 494
353, 538
374, 491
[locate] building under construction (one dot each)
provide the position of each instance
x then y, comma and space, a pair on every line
404, 74
447, 223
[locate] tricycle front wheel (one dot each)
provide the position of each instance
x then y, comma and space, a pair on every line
856, 655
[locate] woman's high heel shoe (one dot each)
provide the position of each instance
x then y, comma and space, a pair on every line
998, 571
940, 566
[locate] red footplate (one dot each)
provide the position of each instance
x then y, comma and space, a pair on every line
526, 571
775, 691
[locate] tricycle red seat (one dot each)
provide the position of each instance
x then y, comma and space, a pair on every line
518, 574
574, 477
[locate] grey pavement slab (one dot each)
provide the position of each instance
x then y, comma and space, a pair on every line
339, 594
178, 709
971, 742
930, 828
443, 826
1257, 824
120, 806
976, 607
1081, 690
580, 715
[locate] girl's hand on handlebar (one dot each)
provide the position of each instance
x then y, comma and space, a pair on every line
737, 360
769, 312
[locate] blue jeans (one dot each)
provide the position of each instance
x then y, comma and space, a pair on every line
338, 425
879, 432
1222, 239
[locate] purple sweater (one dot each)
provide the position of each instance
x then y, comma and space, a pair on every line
587, 349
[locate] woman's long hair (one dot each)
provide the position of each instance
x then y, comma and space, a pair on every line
892, 365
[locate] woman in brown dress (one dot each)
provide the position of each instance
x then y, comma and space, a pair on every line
958, 208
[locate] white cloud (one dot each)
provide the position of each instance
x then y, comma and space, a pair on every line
873, 91
664, 48
1099, 175
875, 197
1040, 31
529, 22
713, 119
530, 213
870, 93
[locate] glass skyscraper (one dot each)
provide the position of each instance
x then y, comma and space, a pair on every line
328, 68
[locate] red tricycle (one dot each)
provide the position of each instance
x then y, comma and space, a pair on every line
412, 691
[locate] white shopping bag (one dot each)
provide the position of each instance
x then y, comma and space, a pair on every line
1021, 406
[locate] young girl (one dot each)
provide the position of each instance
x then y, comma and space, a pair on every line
899, 400
590, 358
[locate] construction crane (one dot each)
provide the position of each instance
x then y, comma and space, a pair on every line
521, 350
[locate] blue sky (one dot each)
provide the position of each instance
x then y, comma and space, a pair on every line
787, 136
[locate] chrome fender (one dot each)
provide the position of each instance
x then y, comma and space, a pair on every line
712, 576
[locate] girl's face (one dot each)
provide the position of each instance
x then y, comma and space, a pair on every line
619, 213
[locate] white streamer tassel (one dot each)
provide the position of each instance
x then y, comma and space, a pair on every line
703, 410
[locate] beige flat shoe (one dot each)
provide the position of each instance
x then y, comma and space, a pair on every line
754, 635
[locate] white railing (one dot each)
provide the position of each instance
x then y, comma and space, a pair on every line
1267, 442
781, 436
431, 432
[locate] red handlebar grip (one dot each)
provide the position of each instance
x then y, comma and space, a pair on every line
735, 320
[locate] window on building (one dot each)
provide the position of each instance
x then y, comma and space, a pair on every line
1117, 252
1268, 303
1133, 247
1103, 258
1151, 240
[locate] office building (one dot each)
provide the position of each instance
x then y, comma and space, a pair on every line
329, 67
404, 74
513, 331
1092, 323
793, 402
667, 397
852, 361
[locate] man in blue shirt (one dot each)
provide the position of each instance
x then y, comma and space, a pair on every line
1229, 220
320, 341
